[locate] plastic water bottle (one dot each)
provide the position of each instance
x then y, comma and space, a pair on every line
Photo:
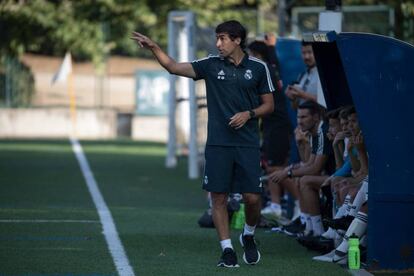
238, 219
353, 253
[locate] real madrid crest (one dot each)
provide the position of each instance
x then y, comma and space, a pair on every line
248, 74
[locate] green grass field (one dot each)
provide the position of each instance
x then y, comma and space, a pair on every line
49, 224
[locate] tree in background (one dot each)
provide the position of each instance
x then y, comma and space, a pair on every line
93, 29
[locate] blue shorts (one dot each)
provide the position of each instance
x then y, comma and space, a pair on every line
232, 170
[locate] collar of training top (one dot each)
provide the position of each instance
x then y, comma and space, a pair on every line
243, 63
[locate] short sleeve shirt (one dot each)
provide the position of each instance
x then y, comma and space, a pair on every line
321, 145
309, 82
279, 118
232, 89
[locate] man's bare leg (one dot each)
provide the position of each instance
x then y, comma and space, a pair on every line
220, 215
252, 204
275, 190
309, 189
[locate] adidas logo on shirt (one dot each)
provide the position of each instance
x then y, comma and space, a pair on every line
221, 75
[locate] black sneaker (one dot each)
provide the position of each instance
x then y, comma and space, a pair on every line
317, 243
228, 258
304, 236
340, 223
294, 228
251, 255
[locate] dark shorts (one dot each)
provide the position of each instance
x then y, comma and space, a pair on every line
276, 145
232, 170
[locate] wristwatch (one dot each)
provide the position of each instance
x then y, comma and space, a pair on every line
289, 173
252, 114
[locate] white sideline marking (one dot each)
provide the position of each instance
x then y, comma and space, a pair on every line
109, 230
47, 221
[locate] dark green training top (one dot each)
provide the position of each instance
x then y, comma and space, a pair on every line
232, 89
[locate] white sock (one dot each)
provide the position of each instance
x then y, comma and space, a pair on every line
341, 211
317, 226
334, 206
338, 237
347, 204
359, 200
226, 244
357, 228
366, 181
309, 226
275, 206
329, 234
303, 217
248, 230
210, 202
296, 210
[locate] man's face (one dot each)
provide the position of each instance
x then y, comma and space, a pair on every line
225, 45
353, 124
344, 126
306, 120
307, 56
334, 127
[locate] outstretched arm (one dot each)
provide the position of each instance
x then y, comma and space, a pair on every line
184, 69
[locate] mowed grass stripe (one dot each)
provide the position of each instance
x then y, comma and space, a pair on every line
42, 180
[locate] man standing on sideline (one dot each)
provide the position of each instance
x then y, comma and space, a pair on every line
239, 91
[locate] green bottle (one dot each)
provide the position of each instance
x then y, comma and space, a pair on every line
353, 253
238, 219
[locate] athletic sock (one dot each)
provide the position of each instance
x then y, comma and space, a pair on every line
296, 210
275, 206
226, 244
334, 205
308, 227
317, 226
341, 211
359, 200
303, 217
357, 228
347, 204
248, 230
329, 234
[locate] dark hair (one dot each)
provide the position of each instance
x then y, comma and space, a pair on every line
305, 43
352, 110
345, 111
313, 107
333, 114
234, 29
261, 48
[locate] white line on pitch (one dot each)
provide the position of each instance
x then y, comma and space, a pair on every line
109, 229
47, 221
